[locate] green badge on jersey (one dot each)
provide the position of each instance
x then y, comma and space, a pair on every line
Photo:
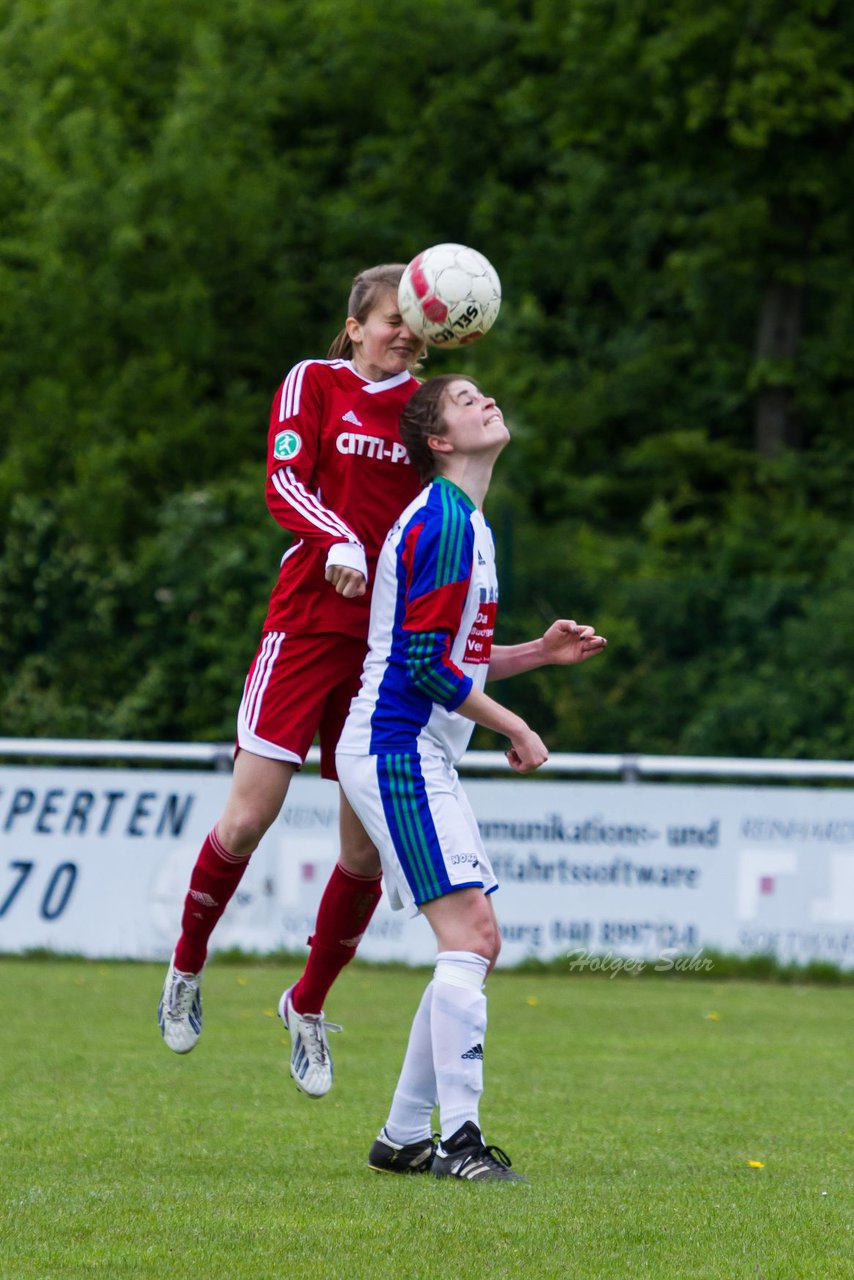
286, 445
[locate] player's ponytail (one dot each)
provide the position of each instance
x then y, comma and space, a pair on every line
366, 289
424, 416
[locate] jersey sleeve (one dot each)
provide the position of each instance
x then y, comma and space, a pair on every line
437, 556
296, 422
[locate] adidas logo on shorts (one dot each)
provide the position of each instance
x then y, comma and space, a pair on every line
476, 1051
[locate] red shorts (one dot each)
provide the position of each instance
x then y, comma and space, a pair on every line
299, 687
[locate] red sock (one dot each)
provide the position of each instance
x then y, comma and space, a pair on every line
344, 914
215, 877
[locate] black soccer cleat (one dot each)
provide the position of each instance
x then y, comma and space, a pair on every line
465, 1155
386, 1156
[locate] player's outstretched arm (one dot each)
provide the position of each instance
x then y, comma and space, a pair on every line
527, 749
565, 642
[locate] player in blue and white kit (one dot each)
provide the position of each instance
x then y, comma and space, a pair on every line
430, 651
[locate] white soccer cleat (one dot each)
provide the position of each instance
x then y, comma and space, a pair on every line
180, 1010
311, 1063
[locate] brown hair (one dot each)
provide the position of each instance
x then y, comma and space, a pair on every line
423, 417
367, 287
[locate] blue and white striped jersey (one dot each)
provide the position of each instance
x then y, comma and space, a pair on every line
430, 638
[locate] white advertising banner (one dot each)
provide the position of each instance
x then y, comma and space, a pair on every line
96, 862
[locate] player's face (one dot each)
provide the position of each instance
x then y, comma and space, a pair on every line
383, 345
474, 422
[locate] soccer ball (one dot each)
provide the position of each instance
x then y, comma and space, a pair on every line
449, 295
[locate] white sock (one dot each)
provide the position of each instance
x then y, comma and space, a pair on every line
458, 1030
415, 1096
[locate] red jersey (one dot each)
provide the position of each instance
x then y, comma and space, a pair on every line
336, 473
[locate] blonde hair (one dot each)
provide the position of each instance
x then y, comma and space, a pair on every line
366, 289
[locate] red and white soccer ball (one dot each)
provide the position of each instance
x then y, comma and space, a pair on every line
449, 295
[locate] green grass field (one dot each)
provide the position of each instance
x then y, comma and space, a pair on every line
634, 1107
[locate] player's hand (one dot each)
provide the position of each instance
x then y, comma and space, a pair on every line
567, 641
527, 751
349, 583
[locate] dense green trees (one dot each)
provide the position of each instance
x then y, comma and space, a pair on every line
664, 188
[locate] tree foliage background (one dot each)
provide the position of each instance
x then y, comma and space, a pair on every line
185, 192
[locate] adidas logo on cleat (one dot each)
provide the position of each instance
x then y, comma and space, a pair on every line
389, 1157
179, 1012
466, 1156
476, 1051
310, 1063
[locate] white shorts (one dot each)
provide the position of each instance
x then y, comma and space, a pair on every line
419, 817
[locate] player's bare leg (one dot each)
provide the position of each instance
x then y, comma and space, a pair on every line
465, 921
258, 790
358, 852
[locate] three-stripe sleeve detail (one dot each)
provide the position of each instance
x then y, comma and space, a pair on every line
295, 493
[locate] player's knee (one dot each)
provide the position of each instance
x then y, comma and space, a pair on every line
360, 858
241, 832
486, 939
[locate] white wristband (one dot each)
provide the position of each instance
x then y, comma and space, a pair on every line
348, 555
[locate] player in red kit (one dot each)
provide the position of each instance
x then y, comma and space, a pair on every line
337, 477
